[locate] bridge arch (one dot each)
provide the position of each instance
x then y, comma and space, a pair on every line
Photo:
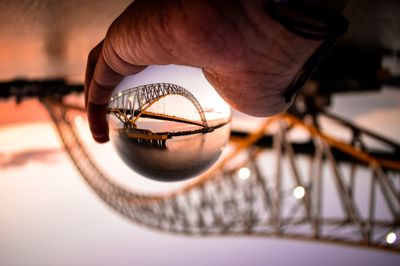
130, 104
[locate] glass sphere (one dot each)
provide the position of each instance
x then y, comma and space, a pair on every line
168, 123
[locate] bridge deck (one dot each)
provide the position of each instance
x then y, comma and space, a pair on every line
157, 116
149, 135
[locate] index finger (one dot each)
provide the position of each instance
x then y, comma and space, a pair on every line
100, 90
90, 67
101, 87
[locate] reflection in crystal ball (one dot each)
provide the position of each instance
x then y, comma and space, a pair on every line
162, 132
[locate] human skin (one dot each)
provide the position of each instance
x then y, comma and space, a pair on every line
249, 58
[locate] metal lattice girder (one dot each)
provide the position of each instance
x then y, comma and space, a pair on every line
334, 201
129, 105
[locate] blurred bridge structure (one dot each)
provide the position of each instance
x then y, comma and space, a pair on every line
270, 184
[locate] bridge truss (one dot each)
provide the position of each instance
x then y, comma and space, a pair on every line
245, 194
131, 104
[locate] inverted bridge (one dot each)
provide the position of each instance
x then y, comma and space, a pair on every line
246, 199
322, 189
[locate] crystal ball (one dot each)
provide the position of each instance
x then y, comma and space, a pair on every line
169, 130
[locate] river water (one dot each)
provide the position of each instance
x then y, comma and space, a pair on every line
181, 157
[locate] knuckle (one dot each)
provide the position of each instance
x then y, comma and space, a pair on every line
94, 53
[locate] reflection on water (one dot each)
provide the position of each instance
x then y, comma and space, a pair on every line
174, 157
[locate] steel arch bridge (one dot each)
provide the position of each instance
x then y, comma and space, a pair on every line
131, 104
261, 204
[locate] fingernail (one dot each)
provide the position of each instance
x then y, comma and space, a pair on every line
101, 139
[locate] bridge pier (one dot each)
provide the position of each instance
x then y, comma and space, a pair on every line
153, 143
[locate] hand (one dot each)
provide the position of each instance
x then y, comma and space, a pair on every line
249, 58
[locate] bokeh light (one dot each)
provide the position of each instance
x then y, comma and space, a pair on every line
299, 192
244, 173
391, 238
